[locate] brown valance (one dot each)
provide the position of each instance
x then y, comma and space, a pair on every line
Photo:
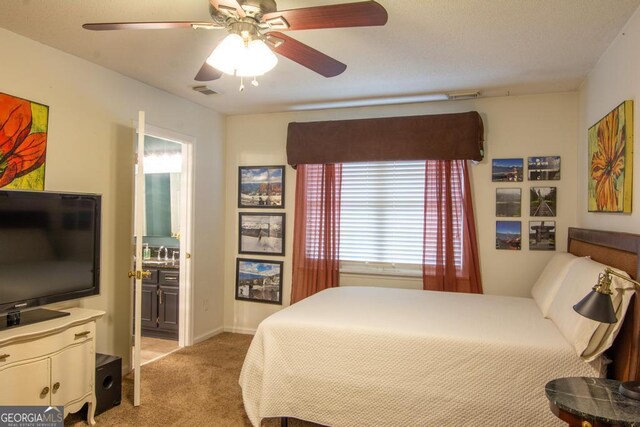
457, 136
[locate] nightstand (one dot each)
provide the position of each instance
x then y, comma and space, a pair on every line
591, 402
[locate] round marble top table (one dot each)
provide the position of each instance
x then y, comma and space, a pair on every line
594, 400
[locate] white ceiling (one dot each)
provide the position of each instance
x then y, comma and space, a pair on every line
427, 46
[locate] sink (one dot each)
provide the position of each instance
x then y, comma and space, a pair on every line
162, 263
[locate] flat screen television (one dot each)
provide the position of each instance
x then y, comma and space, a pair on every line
49, 252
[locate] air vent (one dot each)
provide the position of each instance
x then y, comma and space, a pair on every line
204, 90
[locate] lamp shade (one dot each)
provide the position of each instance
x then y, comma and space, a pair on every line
257, 60
596, 306
227, 56
235, 57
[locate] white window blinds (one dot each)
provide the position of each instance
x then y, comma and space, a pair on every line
382, 213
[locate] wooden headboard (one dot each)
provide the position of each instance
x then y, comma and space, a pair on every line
621, 251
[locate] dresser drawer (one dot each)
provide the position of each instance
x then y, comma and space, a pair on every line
32, 348
169, 277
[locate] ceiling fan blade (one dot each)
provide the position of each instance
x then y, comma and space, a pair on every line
305, 55
207, 73
228, 5
148, 25
361, 14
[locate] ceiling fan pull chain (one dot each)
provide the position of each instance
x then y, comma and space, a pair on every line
255, 81
241, 83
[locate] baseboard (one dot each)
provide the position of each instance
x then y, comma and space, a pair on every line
237, 330
208, 335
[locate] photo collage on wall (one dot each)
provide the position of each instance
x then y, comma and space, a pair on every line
260, 233
542, 202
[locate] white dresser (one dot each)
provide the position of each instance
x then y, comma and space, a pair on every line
51, 363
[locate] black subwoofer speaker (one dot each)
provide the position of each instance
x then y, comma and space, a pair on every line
108, 382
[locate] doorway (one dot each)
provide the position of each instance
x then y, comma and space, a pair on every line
166, 223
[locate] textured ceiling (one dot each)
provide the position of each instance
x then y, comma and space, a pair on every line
427, 46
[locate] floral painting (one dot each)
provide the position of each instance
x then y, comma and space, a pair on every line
23, 143
611, 157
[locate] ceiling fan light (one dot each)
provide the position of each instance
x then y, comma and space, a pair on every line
228, 55
258, 59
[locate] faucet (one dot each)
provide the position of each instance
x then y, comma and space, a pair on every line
160, 253
173, 256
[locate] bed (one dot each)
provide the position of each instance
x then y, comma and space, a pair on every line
358, 356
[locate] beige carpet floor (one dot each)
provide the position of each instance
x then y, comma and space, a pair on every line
195, 386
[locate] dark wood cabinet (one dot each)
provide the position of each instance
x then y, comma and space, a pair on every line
149, 306
168, 308
168, 277
160, 304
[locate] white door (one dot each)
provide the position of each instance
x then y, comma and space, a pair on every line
137, 272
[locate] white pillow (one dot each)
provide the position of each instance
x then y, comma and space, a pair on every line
588, 337
548, 283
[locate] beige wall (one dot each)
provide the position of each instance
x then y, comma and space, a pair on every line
514, 127
615, 78
90, 150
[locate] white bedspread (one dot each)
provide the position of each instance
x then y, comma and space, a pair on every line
357, 356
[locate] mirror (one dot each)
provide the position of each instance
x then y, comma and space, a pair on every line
162, 166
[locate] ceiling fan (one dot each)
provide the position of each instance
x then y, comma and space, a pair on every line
258, 22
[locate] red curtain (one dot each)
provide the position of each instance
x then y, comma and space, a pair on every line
450, 254
316, 235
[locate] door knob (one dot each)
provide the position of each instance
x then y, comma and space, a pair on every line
139, 274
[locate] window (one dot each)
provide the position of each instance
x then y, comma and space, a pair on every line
382, 217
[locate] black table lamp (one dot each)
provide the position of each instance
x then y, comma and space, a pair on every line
597, 305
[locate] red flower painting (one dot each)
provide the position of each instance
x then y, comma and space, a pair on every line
22, 150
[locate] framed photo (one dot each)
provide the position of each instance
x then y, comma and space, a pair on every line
611, 161
259, 280
261, 233
543, 168
508, 202
542, 235
508, 235
261, 187
542, 201
506, 170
